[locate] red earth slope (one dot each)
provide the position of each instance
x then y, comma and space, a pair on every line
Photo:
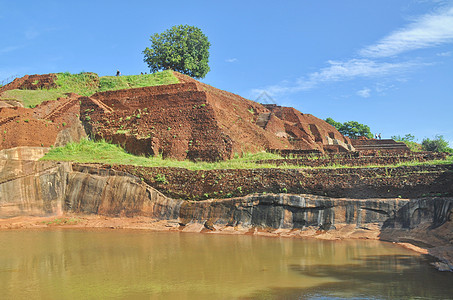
188, 120
50, 123
192, 120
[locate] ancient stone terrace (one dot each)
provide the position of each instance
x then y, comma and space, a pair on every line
374, 144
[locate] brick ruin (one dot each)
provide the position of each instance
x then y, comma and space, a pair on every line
52, 123
31, 82
187, 120
192, 120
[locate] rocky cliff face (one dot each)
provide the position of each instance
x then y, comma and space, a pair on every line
91, 190
45, 188
41, 188
30, 187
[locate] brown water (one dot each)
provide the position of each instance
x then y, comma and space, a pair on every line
101, 264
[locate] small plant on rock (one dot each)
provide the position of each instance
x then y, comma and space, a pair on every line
160, 178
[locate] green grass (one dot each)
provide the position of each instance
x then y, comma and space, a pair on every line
102, 152
86, 84
31, 98
415, 147
122, 131
62, 221
112, 83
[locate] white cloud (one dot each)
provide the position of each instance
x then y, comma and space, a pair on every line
365, 92
231, 60
340, 71
444, 54
31, 34
426, 31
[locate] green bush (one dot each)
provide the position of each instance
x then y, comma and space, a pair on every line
436, 145
409, 140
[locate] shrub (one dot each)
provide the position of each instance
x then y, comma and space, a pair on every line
436, 145
160, 178
409, 140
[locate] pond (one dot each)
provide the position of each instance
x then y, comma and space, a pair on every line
128, 264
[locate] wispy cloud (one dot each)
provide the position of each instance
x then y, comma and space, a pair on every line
426, 31
377, 60
340, 71
365, 93
231, 60
31, 33
9, 49
444, 54
345, 70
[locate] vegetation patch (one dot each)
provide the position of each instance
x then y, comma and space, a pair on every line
437, 144
86, 84
32, 98
113, 83
62, 221
87, 151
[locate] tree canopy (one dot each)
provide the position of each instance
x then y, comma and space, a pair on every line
352, 129
181, 48
438, 144
409, 140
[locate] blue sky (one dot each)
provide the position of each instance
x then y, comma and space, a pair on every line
384, 63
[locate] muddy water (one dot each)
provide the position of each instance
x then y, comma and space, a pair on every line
76, 264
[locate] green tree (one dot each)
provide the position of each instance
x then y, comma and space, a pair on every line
409, 140
436, 145
334, 123
352, 129
181, 48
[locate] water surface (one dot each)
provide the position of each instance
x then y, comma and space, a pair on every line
117, 264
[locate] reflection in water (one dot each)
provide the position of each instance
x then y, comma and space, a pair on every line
68, 264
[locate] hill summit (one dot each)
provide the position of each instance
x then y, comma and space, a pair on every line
183, 120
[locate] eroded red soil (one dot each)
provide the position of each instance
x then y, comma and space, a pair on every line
39, 126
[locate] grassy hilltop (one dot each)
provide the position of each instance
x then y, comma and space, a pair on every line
86, 84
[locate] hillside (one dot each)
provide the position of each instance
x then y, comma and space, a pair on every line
166, 114
32, 90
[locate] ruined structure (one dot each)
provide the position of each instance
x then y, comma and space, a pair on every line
191, 120
31, 82
188, 120
53, 123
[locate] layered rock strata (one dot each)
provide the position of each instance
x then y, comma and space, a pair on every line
41, 188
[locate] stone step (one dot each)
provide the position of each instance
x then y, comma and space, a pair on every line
263, 119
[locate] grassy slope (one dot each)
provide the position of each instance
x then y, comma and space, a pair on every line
31, 98
102, 152
112, 83
87, 84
